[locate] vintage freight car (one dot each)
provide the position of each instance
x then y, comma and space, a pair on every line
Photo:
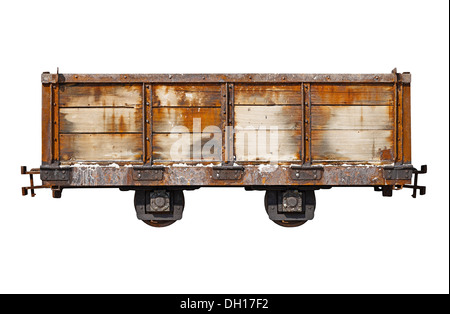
286, 134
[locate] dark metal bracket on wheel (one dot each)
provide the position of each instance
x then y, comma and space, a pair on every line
333, 130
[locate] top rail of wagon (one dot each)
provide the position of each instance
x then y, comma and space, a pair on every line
222, 78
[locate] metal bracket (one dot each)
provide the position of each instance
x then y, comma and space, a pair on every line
148, 173
228, 172
32, 187
52, 173
298, 172
415, 186
398, 173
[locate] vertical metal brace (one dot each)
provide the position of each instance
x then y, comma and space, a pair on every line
55, 121
307, 123
224, 119
400, 124
148, 122
230, 125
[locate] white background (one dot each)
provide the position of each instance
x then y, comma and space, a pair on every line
90, 240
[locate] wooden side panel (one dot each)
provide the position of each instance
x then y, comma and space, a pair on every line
352, 117
352, 145
352, 122
167, 119
355, 94
101, 147
100, 95
262, 145
245, 94
186, 147
101, 120
257, 117
187, 95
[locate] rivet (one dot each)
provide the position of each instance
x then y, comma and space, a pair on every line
203, 77
170, 76
250, 77
315, 176
76, 76
283, 78
376, 78
148, 104
297, 174
124, 76
147, 121
64, 172
147, 139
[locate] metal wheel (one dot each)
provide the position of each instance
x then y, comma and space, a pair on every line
288, 223
159, 223
164, 217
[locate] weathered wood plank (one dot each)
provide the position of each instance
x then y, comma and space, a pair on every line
185, 147
267, 146
338, 94
352, 117
352, 145
187, 95
245, 94
101, 120
193, 119
91, 95
100, 147
257, 117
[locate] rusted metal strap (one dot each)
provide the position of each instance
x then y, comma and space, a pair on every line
51, 173
148, 173
228, 172
220, 78
398, 173
298, 172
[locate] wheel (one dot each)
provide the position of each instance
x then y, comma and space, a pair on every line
142, 201
159, 223
289, 223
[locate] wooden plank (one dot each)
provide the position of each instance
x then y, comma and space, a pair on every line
352, 117
355, 94
166, 119
101, 120
282, 117
101, 147
352, 145
91, 95
185, 147
267, 146
246, 94
187, 95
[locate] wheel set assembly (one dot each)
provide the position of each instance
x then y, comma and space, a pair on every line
287, 208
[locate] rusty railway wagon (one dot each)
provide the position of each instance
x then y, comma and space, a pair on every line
286, 134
